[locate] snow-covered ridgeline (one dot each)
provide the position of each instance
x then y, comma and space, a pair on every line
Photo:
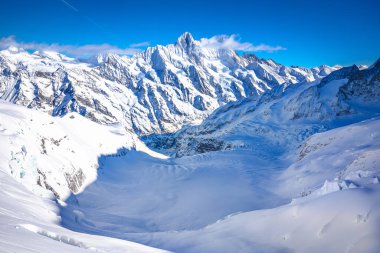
156, 91
284, 116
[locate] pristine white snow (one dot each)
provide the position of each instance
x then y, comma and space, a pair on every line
185, 204
29, 223
40, 152
343, 221
172, 194
60, 154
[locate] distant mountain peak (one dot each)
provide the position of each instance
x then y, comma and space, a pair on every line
156, 91
186, 40
52, 55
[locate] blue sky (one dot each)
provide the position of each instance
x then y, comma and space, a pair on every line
313, 32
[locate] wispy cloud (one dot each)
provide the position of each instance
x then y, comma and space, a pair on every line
71, 50
141, 44
75, 9
233, 42
69, 5
83, 51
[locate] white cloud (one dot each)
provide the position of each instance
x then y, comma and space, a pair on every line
72, 50
218, 41
232, 42
141, 44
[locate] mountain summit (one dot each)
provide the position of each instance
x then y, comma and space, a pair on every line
186, 40
156, 91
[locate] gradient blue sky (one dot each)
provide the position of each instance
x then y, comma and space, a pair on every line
313, 32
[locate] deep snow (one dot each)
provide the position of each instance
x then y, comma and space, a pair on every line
29, 223
203, 203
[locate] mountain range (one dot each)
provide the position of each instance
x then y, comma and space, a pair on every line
156, 91
284, 116
187, 148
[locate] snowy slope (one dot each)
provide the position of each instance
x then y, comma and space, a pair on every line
282, 117
58, 154
204, 203
343, 221
156, 91
31, 224
340, 216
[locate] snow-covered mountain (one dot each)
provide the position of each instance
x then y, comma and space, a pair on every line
275, 146
283, 116
156, 91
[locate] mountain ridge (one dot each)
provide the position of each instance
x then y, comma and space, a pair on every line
156, 91
285, 115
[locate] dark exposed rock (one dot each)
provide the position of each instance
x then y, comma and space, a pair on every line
75, 180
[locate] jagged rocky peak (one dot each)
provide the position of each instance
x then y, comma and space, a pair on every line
346, 95
105, 58
99, 58
186, 40
252, 58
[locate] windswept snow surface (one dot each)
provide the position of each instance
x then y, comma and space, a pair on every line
325, 197
172, 194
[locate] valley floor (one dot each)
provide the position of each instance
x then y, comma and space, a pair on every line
29, 223
323, 197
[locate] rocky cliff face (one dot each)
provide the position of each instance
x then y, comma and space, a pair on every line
282, 116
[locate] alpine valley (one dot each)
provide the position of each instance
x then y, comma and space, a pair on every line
187, 148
